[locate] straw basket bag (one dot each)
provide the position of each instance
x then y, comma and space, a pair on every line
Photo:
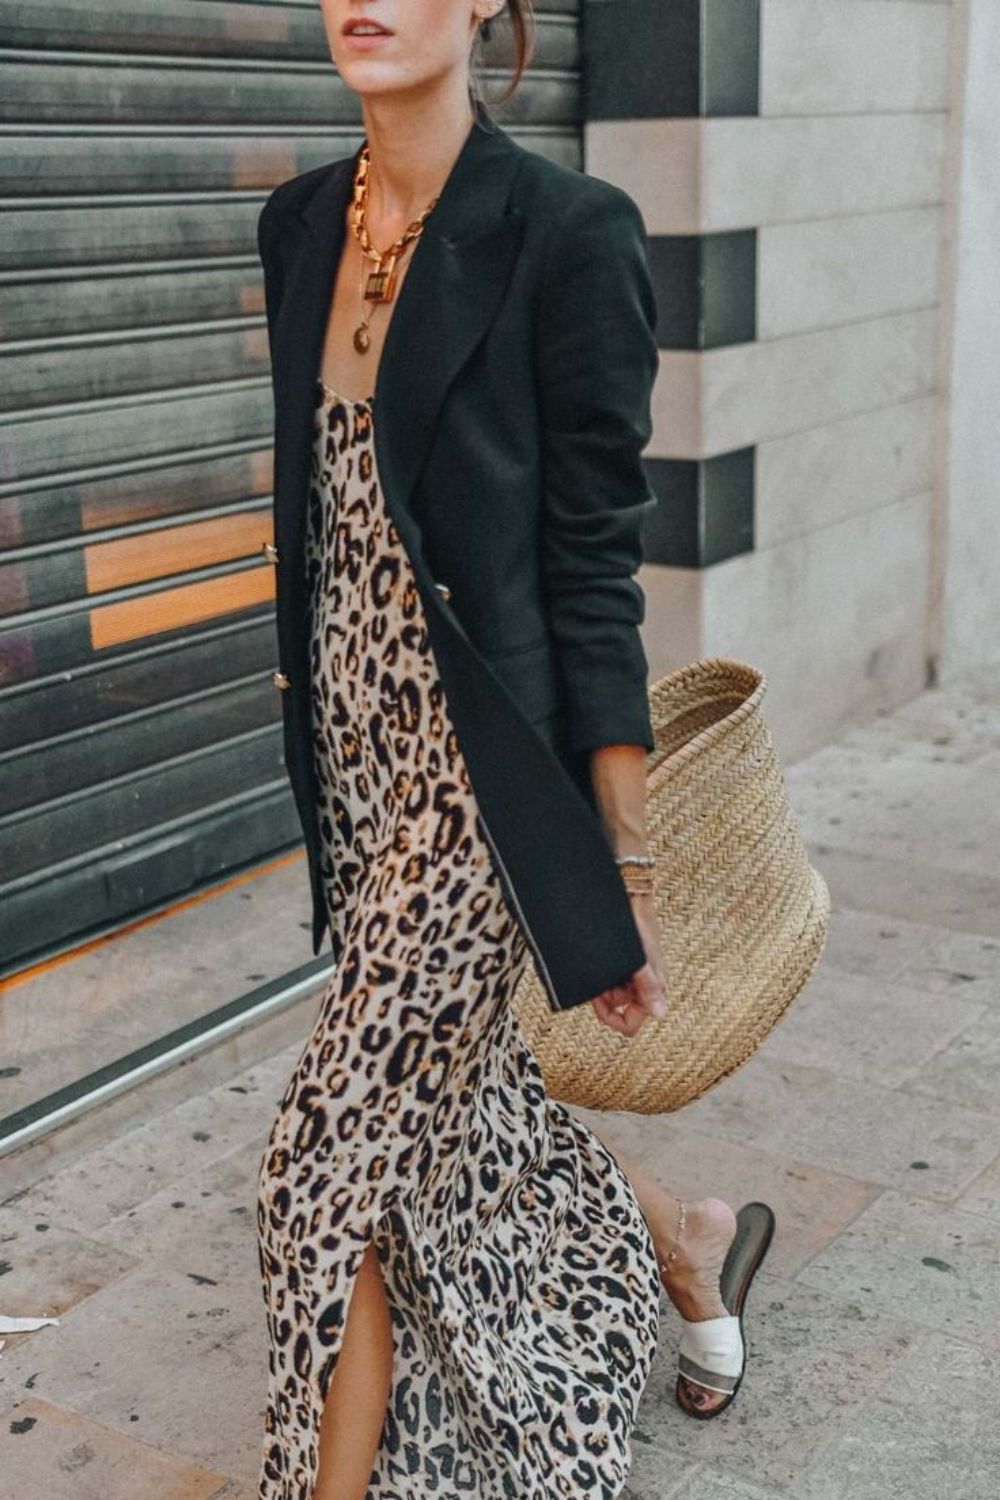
743, 916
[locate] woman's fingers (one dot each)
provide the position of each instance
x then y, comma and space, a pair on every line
604, 1004
647, 991
618, 1010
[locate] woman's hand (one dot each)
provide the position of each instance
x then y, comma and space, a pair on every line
645, 993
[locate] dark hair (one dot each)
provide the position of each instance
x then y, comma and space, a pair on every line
519, 16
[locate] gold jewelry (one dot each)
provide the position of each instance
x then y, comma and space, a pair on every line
378, 285
638, 882
680, 1225
637, 872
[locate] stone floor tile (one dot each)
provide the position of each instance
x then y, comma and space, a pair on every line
869, 942
221, 1066
932, 1430
962, 899
108, 1180
977, 684
956, 963
925, 1261
176, 1364
711, 1484
942, 727
967, 1070
982, 1196
888, 1136
925, 956
48, 1451
813, 1360
658, 1471
851, 798
46, 1270
204, 1223
811, 1204
879, 1030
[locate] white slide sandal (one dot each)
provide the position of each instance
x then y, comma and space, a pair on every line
712, 1351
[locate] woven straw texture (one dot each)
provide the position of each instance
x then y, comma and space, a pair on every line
743, 915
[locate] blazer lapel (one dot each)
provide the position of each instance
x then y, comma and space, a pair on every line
446, 301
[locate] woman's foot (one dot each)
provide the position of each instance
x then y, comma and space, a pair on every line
691, 1277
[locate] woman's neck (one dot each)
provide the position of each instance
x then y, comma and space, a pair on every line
412, 148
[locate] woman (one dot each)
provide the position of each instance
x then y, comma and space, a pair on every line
461, 1282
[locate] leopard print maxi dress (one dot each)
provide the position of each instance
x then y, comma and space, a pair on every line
519, 1270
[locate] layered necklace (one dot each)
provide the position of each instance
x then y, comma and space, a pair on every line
378, 285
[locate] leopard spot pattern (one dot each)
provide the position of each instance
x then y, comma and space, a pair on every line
519, 1271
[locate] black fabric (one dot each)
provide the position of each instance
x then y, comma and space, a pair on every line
512, 405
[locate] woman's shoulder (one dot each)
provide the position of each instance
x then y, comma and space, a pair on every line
544, 186
291, 196
575, 220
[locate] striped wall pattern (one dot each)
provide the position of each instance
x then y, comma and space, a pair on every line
140, 743
788, 159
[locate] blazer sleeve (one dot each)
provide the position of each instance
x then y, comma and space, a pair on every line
597, 358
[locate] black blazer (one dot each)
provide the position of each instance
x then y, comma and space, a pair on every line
512, 404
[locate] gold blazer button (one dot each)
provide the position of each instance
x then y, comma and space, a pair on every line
443, 590
270, 552
280, 680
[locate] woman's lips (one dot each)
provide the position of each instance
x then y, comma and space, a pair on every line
365, 39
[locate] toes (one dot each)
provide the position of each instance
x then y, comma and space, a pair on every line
697, 1396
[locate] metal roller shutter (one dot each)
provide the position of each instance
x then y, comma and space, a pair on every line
140, 745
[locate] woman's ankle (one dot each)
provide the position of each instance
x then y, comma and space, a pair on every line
690, 1276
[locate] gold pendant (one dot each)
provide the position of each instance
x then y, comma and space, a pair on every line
361, 338
380, 285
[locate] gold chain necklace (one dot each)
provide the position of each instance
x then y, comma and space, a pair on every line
378, 285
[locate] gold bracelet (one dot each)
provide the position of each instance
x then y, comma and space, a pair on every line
638, 883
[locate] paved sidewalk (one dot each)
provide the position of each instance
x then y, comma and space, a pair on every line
870, 1119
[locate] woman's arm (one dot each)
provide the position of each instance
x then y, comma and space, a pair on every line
618, 773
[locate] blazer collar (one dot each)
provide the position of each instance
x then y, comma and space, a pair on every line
451, 290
